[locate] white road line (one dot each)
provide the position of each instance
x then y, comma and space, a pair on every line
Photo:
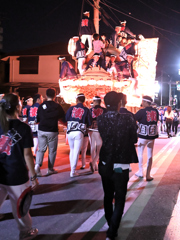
173, 229
88, 224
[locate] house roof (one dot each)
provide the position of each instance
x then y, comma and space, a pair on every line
58, 48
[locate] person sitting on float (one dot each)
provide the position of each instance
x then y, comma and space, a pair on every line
94, 62
67, 69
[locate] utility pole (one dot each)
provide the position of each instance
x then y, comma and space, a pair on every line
161, 86
96, 15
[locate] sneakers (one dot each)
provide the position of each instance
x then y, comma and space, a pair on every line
139, 176
37, 170
82, 168
51, 171
27, 235
75, 174
91, 167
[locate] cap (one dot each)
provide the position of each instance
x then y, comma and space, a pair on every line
111, 99
96, 54
62, 58
147, 99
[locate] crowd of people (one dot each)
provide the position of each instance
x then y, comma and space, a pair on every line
112, 131
168, 120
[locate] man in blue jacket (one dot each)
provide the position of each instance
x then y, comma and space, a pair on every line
87, 30
78, 118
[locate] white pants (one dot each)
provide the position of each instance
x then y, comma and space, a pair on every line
81, 62
75, 140
96, 143
84, 150
14, 192
89, 38
35, 141
141, 145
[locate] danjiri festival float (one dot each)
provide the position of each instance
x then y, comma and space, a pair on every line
96, 81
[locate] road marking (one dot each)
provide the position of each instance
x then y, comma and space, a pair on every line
173, 229
139, 191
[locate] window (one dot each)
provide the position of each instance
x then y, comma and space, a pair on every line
28, 65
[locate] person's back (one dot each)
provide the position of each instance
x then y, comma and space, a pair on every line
119, 134
49, 112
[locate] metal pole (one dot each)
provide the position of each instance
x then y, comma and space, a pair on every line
170, 93
96, 15
161, 86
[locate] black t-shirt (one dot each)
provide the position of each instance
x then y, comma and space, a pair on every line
49, 112
13, 168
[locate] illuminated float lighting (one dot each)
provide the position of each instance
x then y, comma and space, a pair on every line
100, 83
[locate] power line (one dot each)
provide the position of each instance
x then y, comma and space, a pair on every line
157, 11
166, 7
140, 20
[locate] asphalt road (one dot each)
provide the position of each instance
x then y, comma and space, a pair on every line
72, 208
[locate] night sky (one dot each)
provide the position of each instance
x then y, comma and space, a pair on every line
34, 23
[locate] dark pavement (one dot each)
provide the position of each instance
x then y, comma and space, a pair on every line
72, 208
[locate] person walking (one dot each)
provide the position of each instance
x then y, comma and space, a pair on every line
175, 121
94, 136
78, 119
15, 160
118, 133
32, 117
169, 120
147, 118
48, 115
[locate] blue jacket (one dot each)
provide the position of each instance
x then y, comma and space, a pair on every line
67, 70
78, 118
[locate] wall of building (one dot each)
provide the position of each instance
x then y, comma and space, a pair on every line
48, 70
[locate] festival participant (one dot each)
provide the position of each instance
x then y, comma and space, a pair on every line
114, 36
118, 133
48, 115
94, 136
175, 121
80, 54
67, 69
161, 119
169, 120
32, 118
126, 68
98, 45
147, 118
25, 110
94, 62
15, 160
78, 119
84, 150
106, 63
125, 31
87, 29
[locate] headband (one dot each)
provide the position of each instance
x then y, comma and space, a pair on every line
96, 98
144, 99
80, 95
